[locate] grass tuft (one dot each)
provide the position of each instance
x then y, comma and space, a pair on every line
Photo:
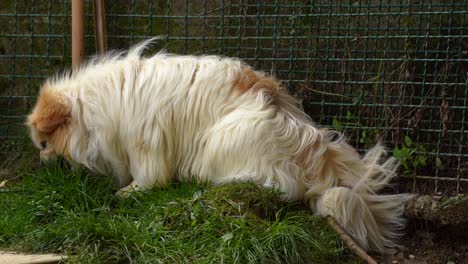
71, 212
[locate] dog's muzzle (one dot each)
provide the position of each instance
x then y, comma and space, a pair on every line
47, 155
50, 157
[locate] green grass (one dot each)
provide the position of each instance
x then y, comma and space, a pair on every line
71, 212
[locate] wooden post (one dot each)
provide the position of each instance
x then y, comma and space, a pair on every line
78, 37
100, 26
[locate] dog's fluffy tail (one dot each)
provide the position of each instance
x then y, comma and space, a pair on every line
344, 185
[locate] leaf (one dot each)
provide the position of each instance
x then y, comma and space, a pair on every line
422, 160
439, 164
349, 116
363, 138
396, 152
405, 153
408, 141
337, 124
226, 237
422, 148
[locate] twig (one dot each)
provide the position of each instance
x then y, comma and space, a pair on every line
349, 241
326, 93
14, 257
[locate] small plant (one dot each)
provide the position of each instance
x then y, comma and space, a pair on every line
365, 136
339, 125
413, 157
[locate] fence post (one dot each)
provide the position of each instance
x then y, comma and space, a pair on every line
100, 26
78, 37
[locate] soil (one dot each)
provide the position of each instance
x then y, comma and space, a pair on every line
440, 236
436, 246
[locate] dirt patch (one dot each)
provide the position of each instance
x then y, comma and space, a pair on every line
444, 245
431, 242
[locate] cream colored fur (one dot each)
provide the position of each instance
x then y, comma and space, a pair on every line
149, 121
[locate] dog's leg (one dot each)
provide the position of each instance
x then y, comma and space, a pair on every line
125, 191
150, 169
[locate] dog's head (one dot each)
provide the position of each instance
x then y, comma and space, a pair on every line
49, 123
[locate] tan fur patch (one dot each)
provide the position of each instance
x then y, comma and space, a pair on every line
246, 79
51, 111
251, 80
58, 140
267, 83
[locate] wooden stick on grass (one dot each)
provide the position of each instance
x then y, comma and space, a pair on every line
355, 248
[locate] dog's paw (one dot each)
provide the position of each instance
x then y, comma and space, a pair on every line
127, 190
122, 193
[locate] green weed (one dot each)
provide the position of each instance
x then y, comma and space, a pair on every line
413, 157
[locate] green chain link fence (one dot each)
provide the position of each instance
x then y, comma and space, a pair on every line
394, 71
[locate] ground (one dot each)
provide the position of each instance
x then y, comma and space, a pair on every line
437, 232
431, 247
55, 210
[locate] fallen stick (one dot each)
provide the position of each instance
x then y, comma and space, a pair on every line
349, 241
19, 258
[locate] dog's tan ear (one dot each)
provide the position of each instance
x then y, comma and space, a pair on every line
51, 111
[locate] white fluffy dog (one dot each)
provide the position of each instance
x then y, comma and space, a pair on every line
149, 121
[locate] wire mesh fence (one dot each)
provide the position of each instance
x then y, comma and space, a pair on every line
392, 71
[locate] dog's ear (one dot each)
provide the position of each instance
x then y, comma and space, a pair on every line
51, 111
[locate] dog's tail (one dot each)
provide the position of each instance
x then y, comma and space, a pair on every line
344, 185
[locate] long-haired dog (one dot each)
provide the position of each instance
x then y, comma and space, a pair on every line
149, 121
